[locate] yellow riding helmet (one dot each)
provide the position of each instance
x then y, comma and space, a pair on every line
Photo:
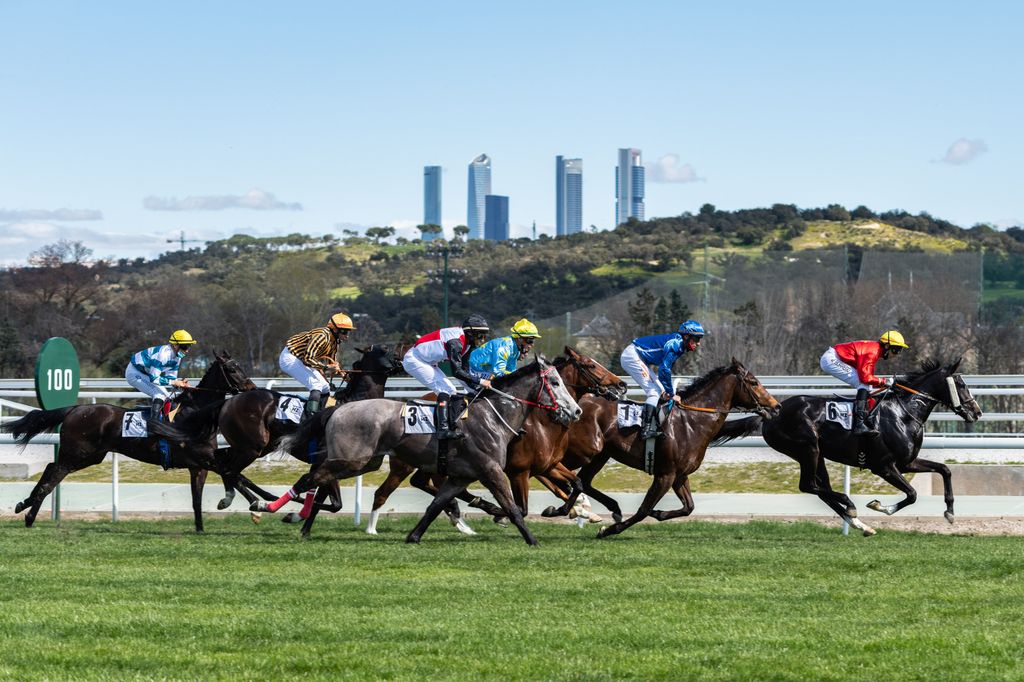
182, 338
342, 321
525, 329
893, 338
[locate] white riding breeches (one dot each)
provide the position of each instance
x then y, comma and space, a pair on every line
428, 375
298, 370
831, 364
642, 375
144, 382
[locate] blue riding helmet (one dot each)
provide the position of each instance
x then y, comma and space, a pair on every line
691, 327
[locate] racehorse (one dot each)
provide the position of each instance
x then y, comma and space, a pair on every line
89, 432
687, 432
359, 434
535, 452
248, 421
802, 432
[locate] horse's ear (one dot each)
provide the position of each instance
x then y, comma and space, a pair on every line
570, 351
736, 362
360, 350
224, 355
956, 365
217, 355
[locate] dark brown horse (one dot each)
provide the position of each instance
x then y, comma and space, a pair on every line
688, 430
248, 422
89, 432
535, 452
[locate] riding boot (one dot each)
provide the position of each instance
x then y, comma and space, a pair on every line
441, 420
860, 415
649, 422
313, 404
156, 409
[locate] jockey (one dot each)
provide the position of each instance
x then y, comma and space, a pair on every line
500, 356
854, 363
661, 350
307, 354
453, 344
152, 369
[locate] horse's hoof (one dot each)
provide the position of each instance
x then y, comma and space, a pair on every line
501, 521
949, 516
869, 531
256, 517
412, 540
550, 511
876, 505
617, 518
20, 507
258, 506
594, 518
463, 527
292, 517
224, 503
603, 533
371, 531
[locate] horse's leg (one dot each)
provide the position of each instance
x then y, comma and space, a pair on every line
396, 475
425, 481
449, 489
681, 487
197, 480
520, 485
304, 483
893, 477
54, 473
587, 474
659, 486
927, 466
814, 480
495, 480
321, 493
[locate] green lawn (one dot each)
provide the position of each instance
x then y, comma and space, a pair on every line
693, 600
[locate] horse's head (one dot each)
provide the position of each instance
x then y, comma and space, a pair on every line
751, 393
378, 359
554, 395
946, 386
227, 375
583, 374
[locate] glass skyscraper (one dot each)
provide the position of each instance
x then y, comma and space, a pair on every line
479, 187
568, 195
431, 198
629, 186
496, 226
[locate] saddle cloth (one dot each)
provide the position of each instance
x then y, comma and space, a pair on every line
289, 409
840, 413
630, 413
133, 424
418, 418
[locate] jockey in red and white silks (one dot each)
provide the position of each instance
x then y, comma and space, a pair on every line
854, 363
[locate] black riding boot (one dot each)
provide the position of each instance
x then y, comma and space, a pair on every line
860, 415
156, 409
649, 422
442, 425
313, 404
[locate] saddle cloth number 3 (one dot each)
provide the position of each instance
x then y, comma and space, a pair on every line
418, 419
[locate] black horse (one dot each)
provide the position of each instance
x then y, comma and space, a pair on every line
248, 423
802, 432
89, 432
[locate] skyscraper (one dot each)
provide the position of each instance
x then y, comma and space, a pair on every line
479, 187
568, 195
629, 186
431, 198
497, 218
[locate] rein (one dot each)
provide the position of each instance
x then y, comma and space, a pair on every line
715, 410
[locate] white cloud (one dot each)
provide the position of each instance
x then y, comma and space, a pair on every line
964, 151
667, 169
44, 214
254, 199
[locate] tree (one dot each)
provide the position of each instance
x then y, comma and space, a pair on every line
641, 311
429, 229
461, 231
679, 312
380, 234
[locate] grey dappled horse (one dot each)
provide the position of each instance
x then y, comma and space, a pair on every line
358, 435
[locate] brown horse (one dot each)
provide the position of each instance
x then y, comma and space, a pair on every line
89, 432
535, 452
688, 430
248, 422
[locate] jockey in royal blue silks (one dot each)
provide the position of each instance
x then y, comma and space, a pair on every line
661, 351
500, 356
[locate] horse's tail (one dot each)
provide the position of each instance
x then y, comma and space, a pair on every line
738, 428
34, 423
297, 442
194, 426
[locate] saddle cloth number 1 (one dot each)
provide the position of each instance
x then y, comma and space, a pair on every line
629, 414
418, 419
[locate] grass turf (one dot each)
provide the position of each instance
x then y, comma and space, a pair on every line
694, 600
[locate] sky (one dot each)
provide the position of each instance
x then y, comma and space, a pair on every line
124, 125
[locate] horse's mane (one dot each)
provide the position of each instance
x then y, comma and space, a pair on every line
927, 366
200, 424
702, 381
507, 379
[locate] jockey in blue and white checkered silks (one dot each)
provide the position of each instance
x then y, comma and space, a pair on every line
500, 356
154, 369
661, 351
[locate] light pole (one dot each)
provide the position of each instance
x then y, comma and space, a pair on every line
442, 250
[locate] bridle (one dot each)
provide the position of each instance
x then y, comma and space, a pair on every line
594, 386
954, 398
545, 385
743, 374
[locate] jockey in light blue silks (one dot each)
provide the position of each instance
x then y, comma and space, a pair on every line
152, 369
661, 351
500, 356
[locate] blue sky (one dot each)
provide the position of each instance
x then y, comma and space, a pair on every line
270, 118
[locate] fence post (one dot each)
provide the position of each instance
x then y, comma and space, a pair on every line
357, 508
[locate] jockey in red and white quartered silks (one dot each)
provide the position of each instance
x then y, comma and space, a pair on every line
854, 363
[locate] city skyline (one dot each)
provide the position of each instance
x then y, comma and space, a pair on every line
432, 197
568, 196
629, 186
478, 188
135, 123
496, 227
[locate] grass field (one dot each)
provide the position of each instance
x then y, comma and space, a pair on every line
694, 600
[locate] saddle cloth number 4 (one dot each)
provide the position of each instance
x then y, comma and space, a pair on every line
289, 409
418, 419
840, 413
